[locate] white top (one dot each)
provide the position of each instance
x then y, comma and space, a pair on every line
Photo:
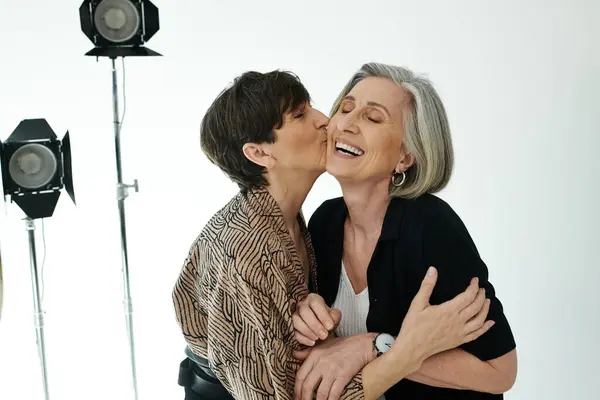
354, 308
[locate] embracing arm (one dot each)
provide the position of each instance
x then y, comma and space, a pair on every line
457, 369
488, 364
452, 369
426, 330
473, 316
328, 367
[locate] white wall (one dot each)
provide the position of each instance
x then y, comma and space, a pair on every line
520, 82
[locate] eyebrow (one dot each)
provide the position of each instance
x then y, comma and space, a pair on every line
300, 108
370, 103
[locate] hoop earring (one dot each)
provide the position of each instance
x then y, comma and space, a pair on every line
395, 182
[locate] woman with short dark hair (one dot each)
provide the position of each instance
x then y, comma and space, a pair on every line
251, 263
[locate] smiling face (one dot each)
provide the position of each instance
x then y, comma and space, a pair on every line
366, 134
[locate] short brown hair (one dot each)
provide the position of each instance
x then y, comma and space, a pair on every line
248, 112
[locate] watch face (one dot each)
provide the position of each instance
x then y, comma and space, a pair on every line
384, 342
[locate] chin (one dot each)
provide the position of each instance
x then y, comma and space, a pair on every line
317, 168
336, 170
320, 170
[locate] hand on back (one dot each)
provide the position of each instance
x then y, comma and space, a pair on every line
428, 330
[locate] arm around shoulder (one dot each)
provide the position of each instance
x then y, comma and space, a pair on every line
449, 247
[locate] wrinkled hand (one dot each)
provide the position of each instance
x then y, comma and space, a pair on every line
314, 320
330, 365
429, 330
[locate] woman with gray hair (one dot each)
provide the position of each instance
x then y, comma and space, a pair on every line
390, 149
251, 263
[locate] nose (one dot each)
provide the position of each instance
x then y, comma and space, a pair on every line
346, 123
321, 120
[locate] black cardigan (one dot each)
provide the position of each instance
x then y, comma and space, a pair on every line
416, 234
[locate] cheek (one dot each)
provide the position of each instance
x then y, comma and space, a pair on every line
385, 145
303, 139
333, 123
381, 141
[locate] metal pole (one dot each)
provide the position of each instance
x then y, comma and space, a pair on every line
37, 309
122, 193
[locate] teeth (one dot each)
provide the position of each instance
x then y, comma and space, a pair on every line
348, 148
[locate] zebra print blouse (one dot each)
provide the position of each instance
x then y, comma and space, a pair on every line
236, 294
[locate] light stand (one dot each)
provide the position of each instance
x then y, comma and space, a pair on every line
122, 194
37, 304
35, 167
119, 28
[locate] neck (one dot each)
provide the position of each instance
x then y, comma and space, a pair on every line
367, 203
289, 191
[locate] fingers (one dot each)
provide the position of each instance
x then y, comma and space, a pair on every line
312, 312
475, 335
336, 316
421, 299
475, 307
310, 384
324, 388
467, 297
478, 321
309, 318
336, 390
304, 334
303, 339
301, 375
321, 311
301, 354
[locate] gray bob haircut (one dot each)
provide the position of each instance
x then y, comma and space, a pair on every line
426, 130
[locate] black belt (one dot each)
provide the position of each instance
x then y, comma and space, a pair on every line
200, 381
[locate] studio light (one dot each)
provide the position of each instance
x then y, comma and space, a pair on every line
36, 166
119, 28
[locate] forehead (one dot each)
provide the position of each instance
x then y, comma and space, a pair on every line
380, 90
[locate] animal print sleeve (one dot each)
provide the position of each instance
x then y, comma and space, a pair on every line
260, 364
191, 317
228, 315
267, 368
233, 313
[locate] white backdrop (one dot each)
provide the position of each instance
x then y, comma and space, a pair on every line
520, 82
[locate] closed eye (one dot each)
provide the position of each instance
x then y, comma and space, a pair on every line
375, 116
346, 108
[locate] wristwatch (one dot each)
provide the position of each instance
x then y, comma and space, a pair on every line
382, 343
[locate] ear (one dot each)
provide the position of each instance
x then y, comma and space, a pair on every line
406, 161
258, 154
